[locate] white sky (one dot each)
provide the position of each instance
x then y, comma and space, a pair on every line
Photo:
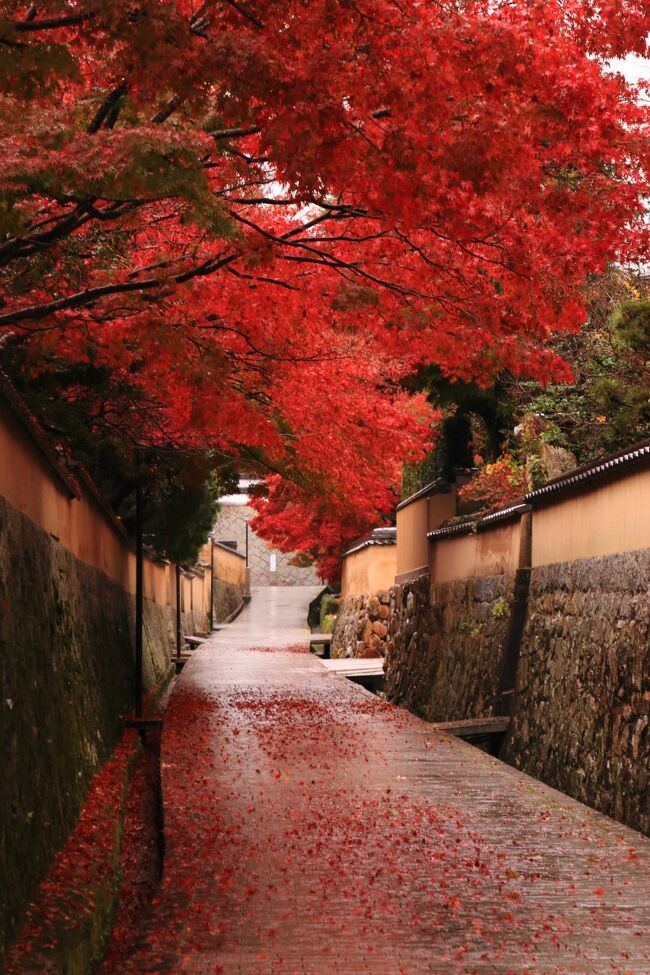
634, 68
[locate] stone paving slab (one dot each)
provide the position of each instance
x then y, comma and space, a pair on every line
312, 829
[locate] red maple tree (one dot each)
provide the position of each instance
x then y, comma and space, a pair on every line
265, 215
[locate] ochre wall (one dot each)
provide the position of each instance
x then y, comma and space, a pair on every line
611, 518
497, 549
412, 545
441, 508
608, 519
413, 522
31, 486
229, 566
567, 640
453, 558
492, 551
369, 571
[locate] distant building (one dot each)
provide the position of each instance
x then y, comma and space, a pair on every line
269, 567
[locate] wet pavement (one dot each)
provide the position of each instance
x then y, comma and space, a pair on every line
313, 829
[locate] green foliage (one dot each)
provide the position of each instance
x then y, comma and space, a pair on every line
33, 69
631, 326
326, 603
499, 608
475, 421
330, 604
329, 608
328, 622
607, 408
417, 476
178, 516
469, 625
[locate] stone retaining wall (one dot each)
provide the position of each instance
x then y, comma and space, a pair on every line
361, 628
582, 720
444, 656
66, 677
231, 526
228, 596
581, 711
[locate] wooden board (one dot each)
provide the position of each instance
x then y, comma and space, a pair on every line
144, 723
356, 666
475, 727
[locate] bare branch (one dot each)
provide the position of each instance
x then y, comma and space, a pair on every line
55, 23
167, 110
262, 277
245, 12
111, 100
235, 133
83, 299
259, 200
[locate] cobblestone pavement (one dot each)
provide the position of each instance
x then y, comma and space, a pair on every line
312, 829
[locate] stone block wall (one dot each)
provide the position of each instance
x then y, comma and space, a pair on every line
444, 656
228, 596
231, 526
361, 628
66, 680
581, 711
582, 718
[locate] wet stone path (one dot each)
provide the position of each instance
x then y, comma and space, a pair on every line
312, 829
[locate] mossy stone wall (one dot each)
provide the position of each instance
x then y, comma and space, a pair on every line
581, 709
582, 714
444, 654
66, 683
228, 596
361, 626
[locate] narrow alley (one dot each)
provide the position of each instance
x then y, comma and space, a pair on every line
313, 829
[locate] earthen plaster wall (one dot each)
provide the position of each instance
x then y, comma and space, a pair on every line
368, 571
67, 679
229, 582
413, 521
229, 566
412, 527
610, 518
492, 551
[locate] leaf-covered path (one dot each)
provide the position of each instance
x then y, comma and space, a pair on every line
312, 829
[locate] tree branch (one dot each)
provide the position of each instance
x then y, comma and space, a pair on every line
235, 133
240, 8
54, 23
167, 110
83, 299
105, 108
